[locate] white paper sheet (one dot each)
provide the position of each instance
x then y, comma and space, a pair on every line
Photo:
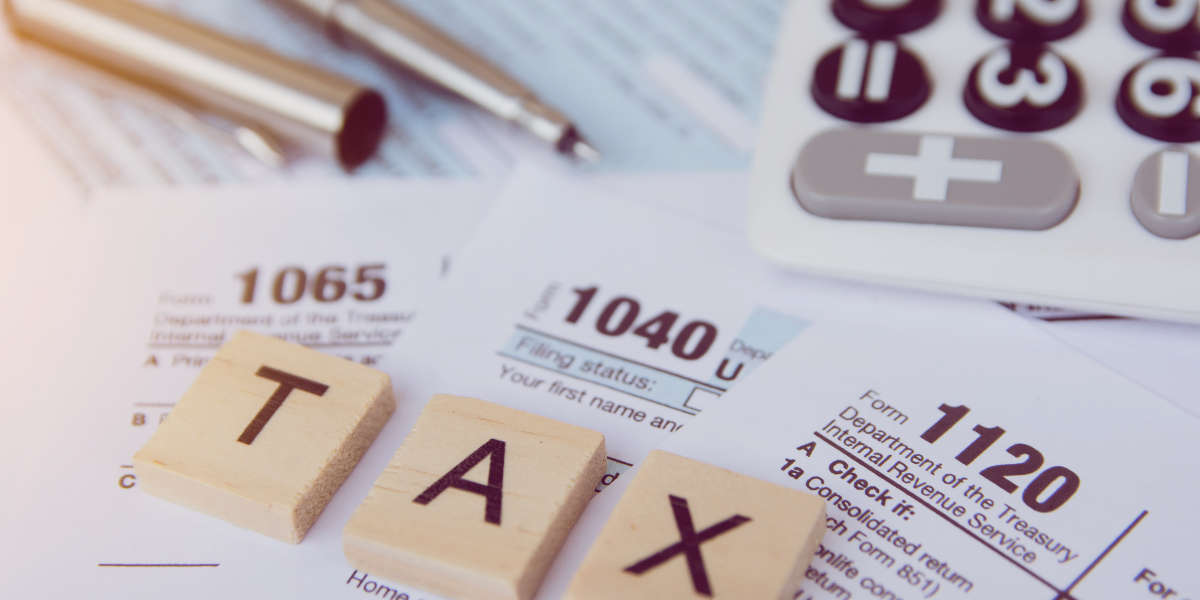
1163, 357
110, 264
114, 326
491, 333
528, 302
862, 391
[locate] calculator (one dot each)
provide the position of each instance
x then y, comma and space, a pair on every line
1033, 151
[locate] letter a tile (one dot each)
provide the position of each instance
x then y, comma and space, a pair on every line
476, 502
686, 529
266, 434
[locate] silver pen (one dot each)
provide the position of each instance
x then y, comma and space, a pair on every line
200, 67
408, 40
253, 139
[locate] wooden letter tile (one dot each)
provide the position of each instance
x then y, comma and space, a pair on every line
266, 434
686, 529
477, 501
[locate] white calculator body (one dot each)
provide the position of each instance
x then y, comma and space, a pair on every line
1037, 151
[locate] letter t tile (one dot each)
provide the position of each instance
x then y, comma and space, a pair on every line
266, 434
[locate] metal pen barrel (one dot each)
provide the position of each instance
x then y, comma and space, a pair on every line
407, 40
239, 80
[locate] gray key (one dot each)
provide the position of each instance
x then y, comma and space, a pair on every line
939, 179
1166, 194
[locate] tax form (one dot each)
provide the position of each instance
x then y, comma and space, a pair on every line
102, 338
577, 305
963, 453
666, 85
568, 303
1163, 357
535, 314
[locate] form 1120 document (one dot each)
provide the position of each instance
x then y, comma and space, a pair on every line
964, 453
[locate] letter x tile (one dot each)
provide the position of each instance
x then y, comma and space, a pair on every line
266, 434
476, 502
686, 529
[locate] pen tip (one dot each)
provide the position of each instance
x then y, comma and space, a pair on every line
585, 151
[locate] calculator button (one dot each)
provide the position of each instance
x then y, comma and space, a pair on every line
883, 18
1031, 20
1166, 194
936, 179
1158, 99
1024, 87
1170, 26
870, 81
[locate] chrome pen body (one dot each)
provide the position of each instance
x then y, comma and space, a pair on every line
203, 68
406, 39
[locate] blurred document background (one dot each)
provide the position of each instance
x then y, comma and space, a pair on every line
662, 85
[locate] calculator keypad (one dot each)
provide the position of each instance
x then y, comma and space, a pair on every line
870, 81
1109, 90
886, 18
1023, 87
1031, 20
1158, 99
1170, 26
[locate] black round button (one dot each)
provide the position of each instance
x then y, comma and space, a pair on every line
1168, 25
885, 18
869, 81
1031, 20
1024, 86
1158, 99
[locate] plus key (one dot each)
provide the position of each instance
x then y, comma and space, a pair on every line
935, 179
933, 168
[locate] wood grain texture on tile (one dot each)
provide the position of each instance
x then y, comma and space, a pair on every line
686, 529
477, 501
266, 434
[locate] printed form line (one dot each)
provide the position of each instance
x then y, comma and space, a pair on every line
1065, 595
1083, 318
600, 383
158, 565
604, 385
315, 345
590, 349
1062, 594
